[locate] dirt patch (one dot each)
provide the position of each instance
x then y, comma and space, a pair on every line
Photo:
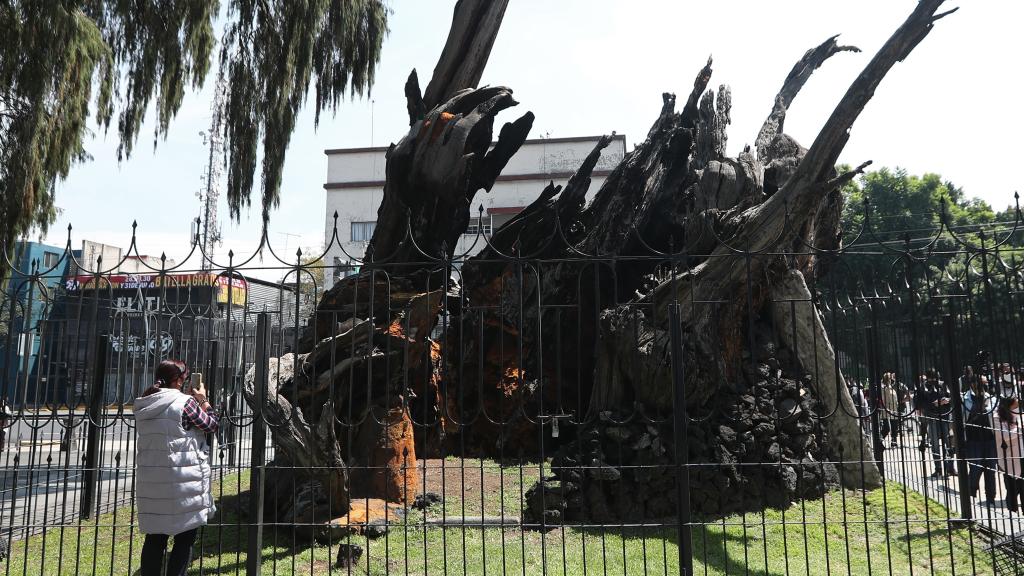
473, 486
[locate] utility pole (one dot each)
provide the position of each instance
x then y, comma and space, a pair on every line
209, 195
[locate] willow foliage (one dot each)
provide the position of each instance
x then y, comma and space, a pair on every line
64, 62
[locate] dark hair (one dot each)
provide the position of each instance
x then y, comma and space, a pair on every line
166, 372
1004, 412
982, 360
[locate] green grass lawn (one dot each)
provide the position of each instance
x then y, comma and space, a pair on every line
844, 533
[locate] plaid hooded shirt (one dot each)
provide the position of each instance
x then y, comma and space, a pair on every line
194, 416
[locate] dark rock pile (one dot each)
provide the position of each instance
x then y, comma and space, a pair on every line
762, 445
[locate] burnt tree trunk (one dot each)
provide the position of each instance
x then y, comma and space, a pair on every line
339, 414
679, 195
367, 361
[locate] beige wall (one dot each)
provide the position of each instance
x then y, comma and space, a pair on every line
527, 173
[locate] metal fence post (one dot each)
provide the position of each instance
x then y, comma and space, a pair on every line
257, 470
679, 421
211, 391
875, 386
91, 475
956, 401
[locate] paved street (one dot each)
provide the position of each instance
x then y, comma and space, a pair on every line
907, 464
41, 485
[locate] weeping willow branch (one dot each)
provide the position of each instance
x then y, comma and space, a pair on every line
71, 63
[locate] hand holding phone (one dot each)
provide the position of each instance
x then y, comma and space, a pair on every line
195, 385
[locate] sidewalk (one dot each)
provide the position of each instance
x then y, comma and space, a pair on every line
908, 465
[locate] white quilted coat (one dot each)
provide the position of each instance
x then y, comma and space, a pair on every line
172, 469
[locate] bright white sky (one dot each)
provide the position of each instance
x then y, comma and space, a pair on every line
589, 67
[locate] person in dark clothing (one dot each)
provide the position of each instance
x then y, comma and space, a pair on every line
966, 379
5, 422
980, 448
932, 402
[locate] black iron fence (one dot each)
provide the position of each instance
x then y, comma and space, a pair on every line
862, 416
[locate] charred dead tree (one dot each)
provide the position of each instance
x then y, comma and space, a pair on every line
717, 221
341, 416
339, 409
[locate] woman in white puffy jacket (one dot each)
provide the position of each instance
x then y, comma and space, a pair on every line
172, 488
1006, 424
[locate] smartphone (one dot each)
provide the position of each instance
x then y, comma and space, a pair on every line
194, 382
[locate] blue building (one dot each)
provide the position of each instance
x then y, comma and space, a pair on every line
52, 313
28, 300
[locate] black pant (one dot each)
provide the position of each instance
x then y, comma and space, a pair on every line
892, 427
1014, 492
155, 548
981, 457
938, 437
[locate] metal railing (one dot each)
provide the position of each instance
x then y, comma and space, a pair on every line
533, 443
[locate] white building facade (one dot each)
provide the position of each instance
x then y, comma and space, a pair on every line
355, 188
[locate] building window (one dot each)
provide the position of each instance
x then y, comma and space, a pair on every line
362, 231
50, 259
479, 226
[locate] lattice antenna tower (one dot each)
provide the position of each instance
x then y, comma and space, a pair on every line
209, 192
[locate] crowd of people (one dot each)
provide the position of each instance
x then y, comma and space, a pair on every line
990, 437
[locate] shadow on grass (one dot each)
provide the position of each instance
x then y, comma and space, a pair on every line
714, 551
710, 548
223, 544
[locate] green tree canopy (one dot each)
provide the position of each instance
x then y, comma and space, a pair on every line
947, 274
63, 63
905, 203
906, 208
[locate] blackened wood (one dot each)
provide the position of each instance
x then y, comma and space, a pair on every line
475, 25
774, 221
414, 99
798, 76
433, 174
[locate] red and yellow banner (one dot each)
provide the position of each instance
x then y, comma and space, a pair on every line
233, 289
